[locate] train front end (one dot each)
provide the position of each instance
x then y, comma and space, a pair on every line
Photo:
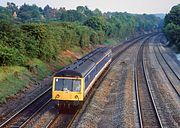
67, 89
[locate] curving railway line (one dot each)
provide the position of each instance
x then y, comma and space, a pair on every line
147, 111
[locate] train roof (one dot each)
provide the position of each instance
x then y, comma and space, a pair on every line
82, 66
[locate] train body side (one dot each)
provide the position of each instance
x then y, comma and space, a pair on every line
94, 74
83, 73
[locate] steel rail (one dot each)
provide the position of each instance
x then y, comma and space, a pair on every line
27, 120
135, 78
71, 121
168, 63
147, 77
52, 121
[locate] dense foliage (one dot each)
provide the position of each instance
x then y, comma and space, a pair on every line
172, 26
5, 13
125, 24
32, 32
43, 41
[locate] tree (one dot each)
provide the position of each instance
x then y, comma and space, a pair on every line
72, 15
97, 12
97, 23
81, 9
5, 14
47, 11
28, 12
173, 16
172, 26
85, 11
12, 7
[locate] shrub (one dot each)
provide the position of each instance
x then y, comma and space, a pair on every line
10, 56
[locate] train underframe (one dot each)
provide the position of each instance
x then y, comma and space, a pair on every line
68, 104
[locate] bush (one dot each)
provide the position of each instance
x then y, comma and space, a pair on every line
39, 43
10, 56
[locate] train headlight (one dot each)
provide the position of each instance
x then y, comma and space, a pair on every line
76, 97
57, 96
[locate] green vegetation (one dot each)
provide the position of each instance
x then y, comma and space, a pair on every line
12, 79
109, 42
32, 38
5, 14
20, 43
172, 26
15, 78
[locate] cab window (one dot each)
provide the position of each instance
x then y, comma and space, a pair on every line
76, 85
58, 84
67, 85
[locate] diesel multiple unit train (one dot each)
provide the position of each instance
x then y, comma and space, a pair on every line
72, 84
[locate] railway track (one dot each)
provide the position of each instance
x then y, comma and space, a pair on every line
27, 113
64, 118
23, 115
171, 75
147, 111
